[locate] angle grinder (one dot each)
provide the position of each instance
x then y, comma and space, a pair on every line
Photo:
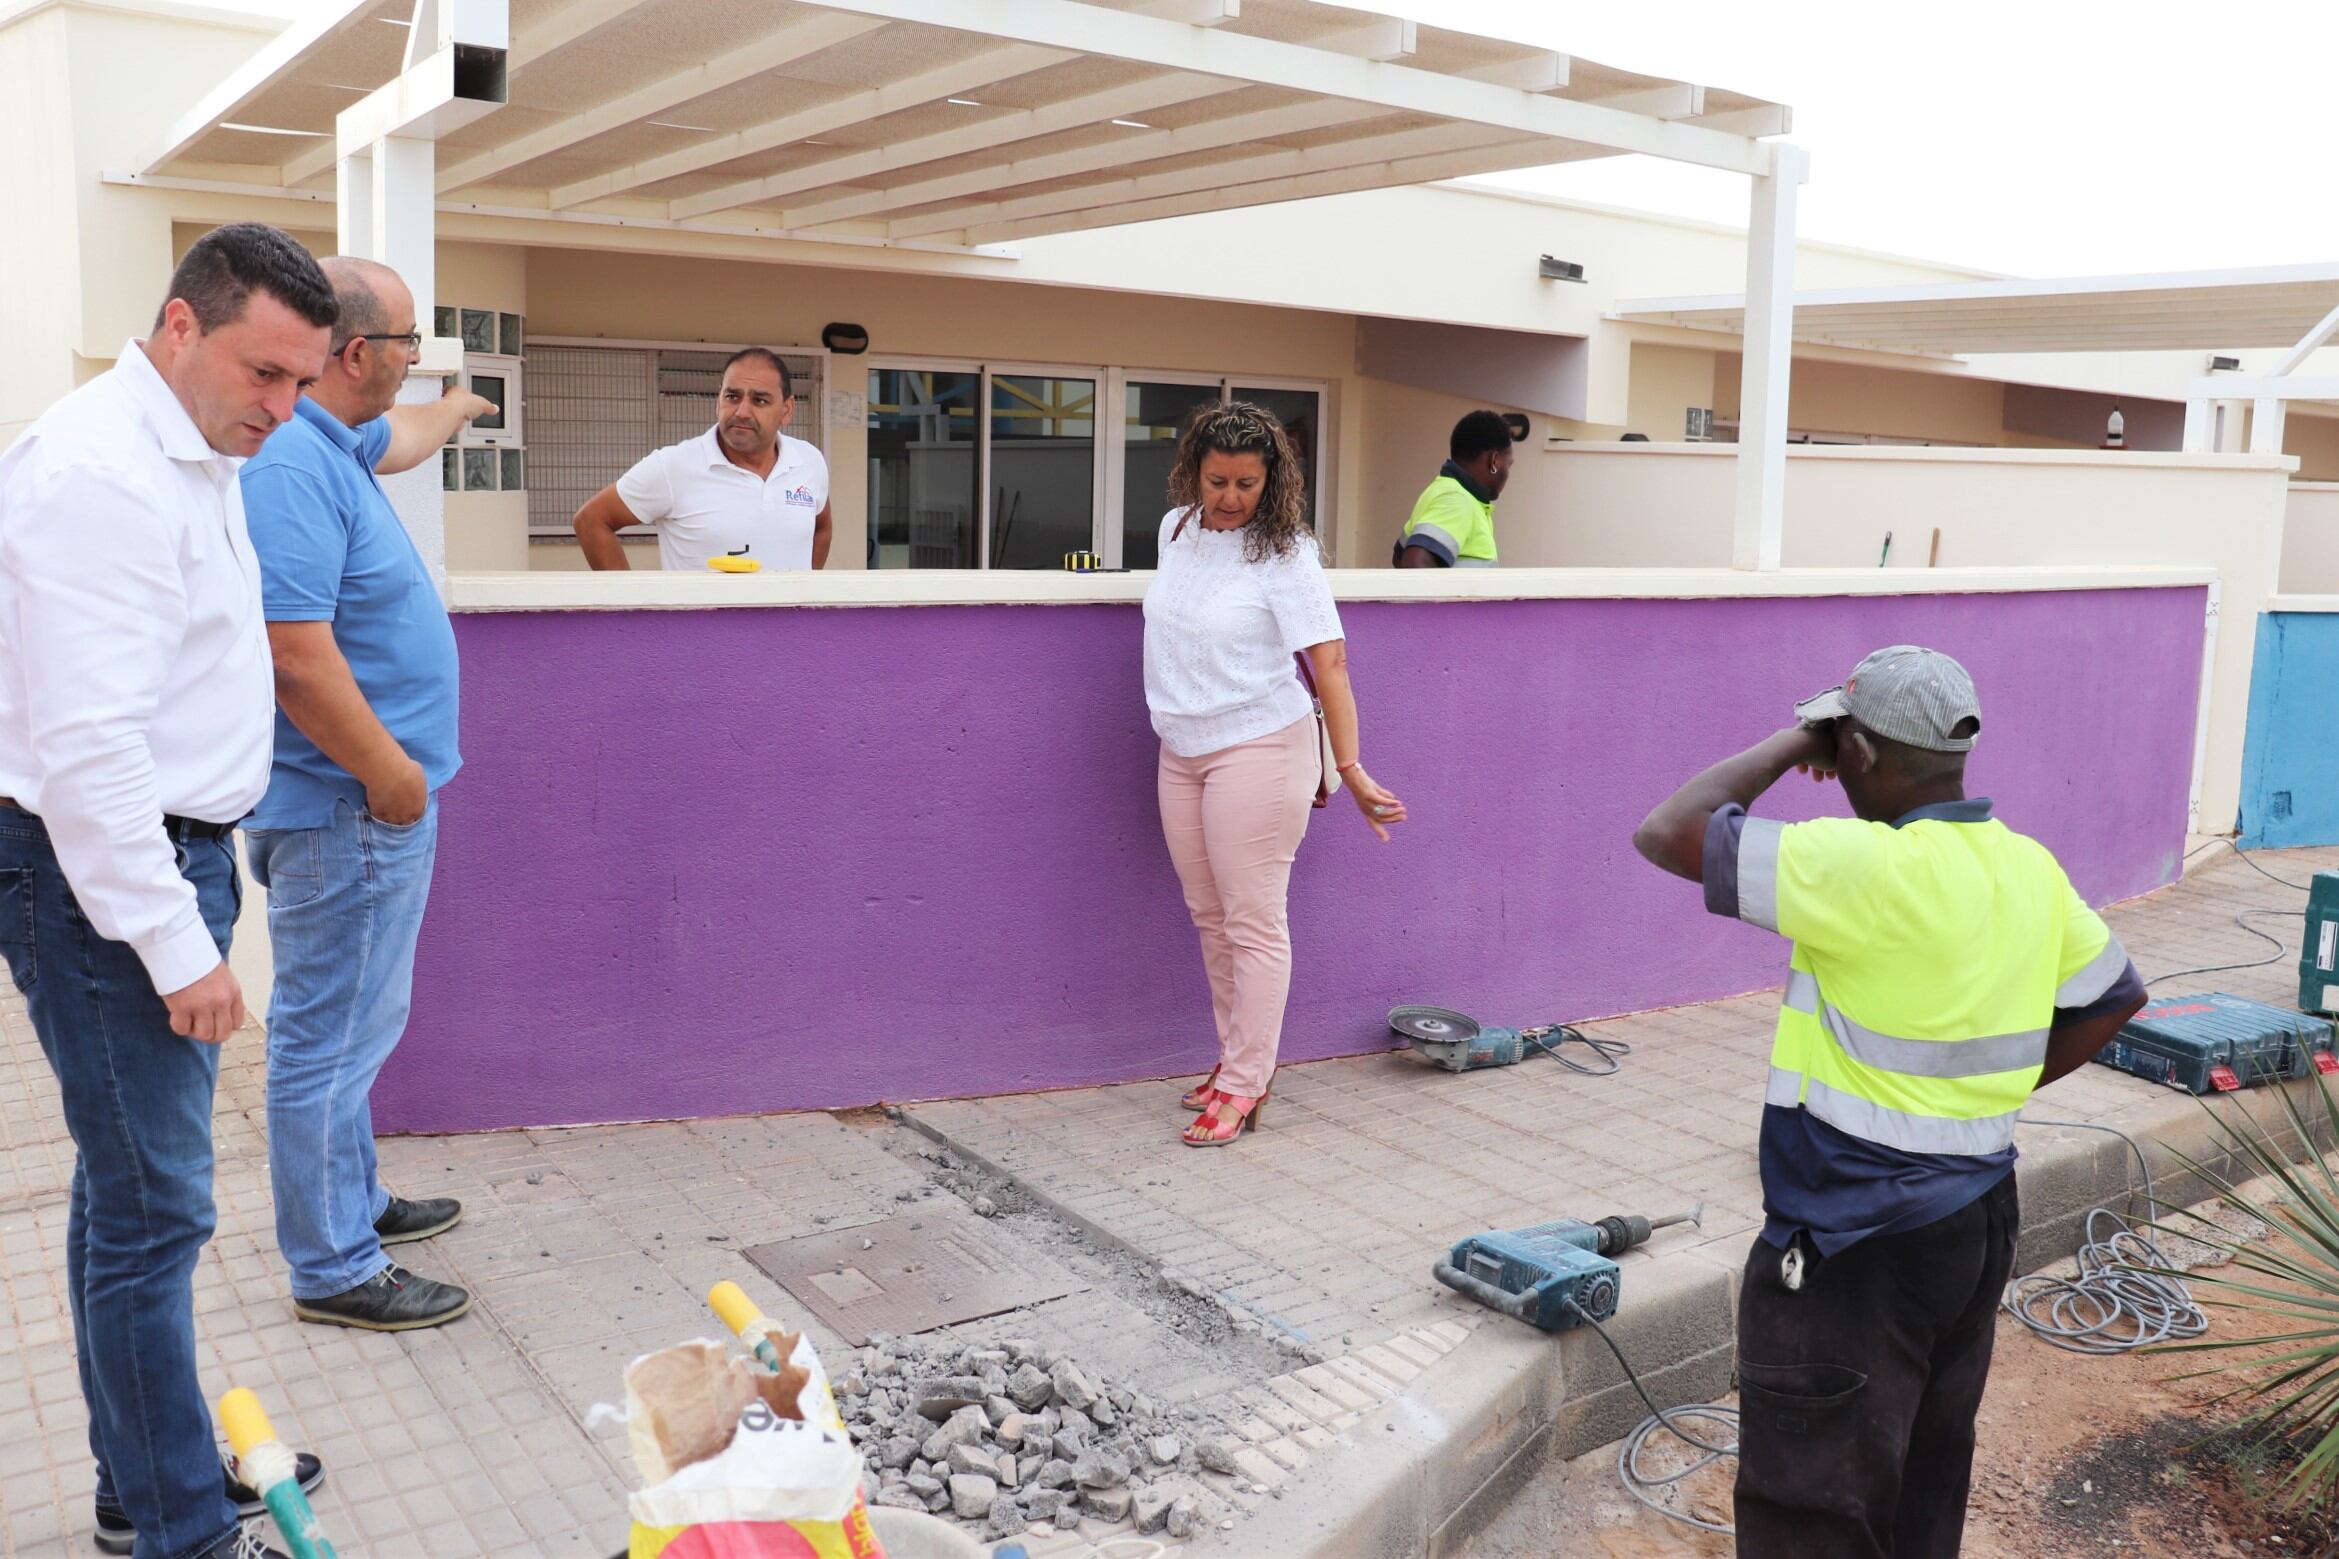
1460, 1043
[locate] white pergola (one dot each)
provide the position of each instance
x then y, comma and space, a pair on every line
962, 125
2293, 306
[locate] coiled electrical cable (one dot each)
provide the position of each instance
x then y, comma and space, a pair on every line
2117, 1303
1610, 1052
1638, 1483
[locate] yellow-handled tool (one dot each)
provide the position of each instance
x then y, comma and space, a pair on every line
740, 1313
271, 1467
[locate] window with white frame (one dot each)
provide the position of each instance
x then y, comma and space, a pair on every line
595, 407
1000, 465
489, 453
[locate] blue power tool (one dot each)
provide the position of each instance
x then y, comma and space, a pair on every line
1460, 1043
1546, 1274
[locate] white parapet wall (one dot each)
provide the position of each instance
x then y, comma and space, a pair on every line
1669, 505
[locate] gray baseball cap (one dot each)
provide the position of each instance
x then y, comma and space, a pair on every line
1914, 696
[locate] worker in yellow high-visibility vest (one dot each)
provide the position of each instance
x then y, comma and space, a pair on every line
1943, 969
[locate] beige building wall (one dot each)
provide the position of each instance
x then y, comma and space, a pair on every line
1403, 432
1667, 381
2315, 441
1825, 396
2310, 540
574, 292
485, 531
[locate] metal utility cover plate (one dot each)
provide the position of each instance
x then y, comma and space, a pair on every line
910, 1279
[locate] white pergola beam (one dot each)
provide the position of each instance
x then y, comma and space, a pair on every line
926, 86
2308, 345
572, 23
1211, 135
1145, 187
998, 130
1308, 186
784, 47
1265, 61
855, 108
1122, 102
1681, 100
1759, 518
322, 21
2259, 387
1147, 197
539, 41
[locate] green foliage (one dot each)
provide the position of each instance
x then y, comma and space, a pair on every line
2292, 1276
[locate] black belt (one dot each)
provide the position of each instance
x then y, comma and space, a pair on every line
180, 829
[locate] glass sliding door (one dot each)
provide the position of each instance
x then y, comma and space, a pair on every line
1302, 414
1153, 414
1043, 468
924, 485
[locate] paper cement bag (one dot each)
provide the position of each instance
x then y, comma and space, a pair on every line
739, 1463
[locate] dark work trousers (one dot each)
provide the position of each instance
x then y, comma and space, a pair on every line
1858, 1389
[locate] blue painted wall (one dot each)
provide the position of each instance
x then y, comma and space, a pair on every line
2290, 759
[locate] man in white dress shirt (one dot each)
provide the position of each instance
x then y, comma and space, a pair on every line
136, 721
741, 489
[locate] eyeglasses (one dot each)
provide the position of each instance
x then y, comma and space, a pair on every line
412, 338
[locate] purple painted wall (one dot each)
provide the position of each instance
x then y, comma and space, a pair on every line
747, 860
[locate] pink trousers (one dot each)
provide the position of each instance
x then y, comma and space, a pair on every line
1233, 820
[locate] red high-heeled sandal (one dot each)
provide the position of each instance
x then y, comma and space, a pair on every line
1198, 1096
1215, 1127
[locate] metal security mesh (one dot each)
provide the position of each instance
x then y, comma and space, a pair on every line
592, 411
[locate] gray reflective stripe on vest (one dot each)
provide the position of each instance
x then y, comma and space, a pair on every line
1784, 1087
1803, 991
1937, 1058
1909, 1133
1758, 872
2103, 971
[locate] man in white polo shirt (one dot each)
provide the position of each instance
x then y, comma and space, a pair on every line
741, 489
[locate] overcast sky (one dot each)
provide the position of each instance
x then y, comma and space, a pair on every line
2035, 137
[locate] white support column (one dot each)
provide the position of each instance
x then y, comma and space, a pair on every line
2200, 425
386, 177
1760, 520
2267, 415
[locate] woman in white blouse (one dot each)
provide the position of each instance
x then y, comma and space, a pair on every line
1241, 591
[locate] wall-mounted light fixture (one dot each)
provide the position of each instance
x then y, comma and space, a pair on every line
1552, 269
1516, 421
2223, 364
846, 340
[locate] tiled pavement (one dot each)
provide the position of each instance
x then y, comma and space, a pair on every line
1370, 1168
588, 1246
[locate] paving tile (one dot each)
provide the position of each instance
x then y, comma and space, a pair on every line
586, 1246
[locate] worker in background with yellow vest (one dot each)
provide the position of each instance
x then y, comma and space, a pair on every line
1943, 969
1453, 520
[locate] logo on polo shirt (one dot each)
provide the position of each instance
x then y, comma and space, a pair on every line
800, 494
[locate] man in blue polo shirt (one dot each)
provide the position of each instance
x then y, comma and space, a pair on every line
344, 839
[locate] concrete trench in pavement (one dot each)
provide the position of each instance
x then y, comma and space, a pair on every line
1428, 1466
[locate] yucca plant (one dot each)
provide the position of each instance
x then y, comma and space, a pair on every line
2298, 1200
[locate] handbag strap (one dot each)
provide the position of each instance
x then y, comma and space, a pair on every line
1306, 674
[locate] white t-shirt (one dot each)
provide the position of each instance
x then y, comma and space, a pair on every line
1220, 632
704, 506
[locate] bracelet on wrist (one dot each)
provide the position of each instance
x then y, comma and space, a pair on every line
1343, 768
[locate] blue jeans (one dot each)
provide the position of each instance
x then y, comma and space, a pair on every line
344, 909
137, 1101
